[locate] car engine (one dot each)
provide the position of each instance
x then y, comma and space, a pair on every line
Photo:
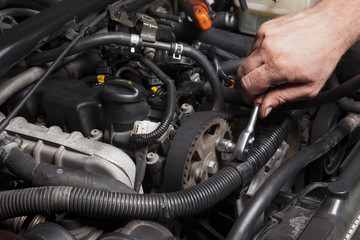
125, 120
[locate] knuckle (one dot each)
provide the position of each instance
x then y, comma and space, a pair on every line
311, 94
246, 82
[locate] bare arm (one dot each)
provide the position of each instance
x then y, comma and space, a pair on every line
301, 50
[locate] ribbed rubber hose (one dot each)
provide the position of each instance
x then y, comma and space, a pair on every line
170, 104
99, 204
84, 44
243, 227
210, 73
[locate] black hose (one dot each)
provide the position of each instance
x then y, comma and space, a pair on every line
44, 174
18, 12
235, 43
209, 73
243, 227
46, 200
170, 104
231, 66
347, 104
331, 95
84, 44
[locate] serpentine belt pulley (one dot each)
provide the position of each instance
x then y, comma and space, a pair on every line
192, 157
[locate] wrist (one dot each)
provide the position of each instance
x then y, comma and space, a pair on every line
343, 20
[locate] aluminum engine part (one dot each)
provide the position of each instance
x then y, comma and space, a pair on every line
52, 145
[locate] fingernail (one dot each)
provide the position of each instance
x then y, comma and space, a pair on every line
267, 111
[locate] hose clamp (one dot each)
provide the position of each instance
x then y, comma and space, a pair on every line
179, 48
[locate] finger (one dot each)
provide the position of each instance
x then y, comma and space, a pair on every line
252, 62
260, 79
282, 94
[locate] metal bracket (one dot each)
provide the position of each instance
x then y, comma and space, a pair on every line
179, 48
149, 29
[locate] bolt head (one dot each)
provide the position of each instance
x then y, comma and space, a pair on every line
213, 167
200, 175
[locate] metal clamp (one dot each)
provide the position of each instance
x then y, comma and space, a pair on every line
179, 48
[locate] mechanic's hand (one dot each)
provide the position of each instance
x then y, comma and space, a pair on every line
301, 50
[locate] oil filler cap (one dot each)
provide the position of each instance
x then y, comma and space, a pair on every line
123, 91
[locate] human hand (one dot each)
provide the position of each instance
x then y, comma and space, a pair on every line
300, 50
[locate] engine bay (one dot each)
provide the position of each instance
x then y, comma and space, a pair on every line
125, 120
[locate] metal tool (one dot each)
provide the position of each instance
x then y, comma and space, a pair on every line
247, 138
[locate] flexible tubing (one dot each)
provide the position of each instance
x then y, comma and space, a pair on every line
84, 44
342, 90
19, 82
346, 103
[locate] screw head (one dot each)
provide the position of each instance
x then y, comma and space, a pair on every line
213, 167
200, 175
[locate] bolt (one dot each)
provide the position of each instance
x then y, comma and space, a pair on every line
213, 167
59, 171
152, 158
251, 140
187, 108
96, 134
200, 175
195, 77
225, 145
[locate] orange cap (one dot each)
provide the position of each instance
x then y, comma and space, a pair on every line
202, 17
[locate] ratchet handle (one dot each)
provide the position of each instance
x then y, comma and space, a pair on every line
259, 99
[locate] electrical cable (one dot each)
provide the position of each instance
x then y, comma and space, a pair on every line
52, 67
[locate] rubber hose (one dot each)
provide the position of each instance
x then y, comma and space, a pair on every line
242, 229
18, 12
231, 66
44, 174
342, 90
98, 204
346, 103
47, 200
210, 74
235, 43
19, 82
170, 105
84, 44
